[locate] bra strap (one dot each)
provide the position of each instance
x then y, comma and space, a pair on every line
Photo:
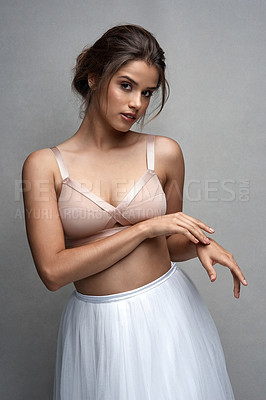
60, 162
150, 151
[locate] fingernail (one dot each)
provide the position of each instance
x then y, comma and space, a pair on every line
206, 240
196, 240
212, 277
245, 282
211, 230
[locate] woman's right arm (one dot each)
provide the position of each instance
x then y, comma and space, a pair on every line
58, 266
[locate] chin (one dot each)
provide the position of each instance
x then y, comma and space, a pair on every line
123, 129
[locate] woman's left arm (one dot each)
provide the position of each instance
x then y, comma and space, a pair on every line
180, 248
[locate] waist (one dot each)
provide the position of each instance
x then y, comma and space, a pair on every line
127, 294
144, 264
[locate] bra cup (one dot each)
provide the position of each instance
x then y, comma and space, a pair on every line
80, 217
149, 202
150, 191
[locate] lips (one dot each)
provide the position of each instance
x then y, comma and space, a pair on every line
129, 116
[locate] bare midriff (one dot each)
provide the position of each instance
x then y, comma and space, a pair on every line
146, 263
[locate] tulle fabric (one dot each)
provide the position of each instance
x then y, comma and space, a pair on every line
157, 342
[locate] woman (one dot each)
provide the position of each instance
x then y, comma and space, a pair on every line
111, 205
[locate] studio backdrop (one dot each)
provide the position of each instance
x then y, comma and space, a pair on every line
215, 53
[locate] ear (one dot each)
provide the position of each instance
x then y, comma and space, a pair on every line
91, 82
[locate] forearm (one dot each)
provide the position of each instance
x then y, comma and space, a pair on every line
70, 265
181, 248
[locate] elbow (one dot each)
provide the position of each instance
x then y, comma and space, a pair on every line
51, 286
50, 280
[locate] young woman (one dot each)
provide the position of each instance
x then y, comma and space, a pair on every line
110, 199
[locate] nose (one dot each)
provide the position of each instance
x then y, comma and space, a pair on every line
135, 100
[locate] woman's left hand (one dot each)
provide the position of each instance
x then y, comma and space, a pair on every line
210, 254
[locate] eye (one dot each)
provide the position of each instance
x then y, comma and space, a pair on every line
147, 93
125, 85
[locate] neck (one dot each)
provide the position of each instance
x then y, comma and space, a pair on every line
94, 131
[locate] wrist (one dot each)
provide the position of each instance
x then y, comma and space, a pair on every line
193, 249
143, 230
200, 245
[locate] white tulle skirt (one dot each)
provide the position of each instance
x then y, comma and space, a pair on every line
157, 342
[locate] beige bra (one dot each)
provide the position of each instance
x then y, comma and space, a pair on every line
86, 217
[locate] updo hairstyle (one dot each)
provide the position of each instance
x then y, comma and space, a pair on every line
115, 48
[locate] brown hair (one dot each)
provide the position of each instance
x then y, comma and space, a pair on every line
115, 48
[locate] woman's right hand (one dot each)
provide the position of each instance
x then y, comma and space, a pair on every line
181, 223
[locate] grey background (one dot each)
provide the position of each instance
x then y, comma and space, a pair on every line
216, 68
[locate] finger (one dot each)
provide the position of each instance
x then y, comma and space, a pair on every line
235, 269
229, 261
210, 270
236, 286
193, 228
201, 224
189, 235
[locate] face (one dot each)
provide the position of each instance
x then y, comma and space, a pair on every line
129, 94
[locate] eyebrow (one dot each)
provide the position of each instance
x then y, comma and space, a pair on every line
135, 83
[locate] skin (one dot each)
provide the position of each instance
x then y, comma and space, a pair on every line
105, 150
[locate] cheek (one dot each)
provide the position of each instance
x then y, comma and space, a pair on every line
145, 104
115, 96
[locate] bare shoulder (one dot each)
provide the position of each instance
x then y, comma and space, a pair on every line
168, 151
39, 163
